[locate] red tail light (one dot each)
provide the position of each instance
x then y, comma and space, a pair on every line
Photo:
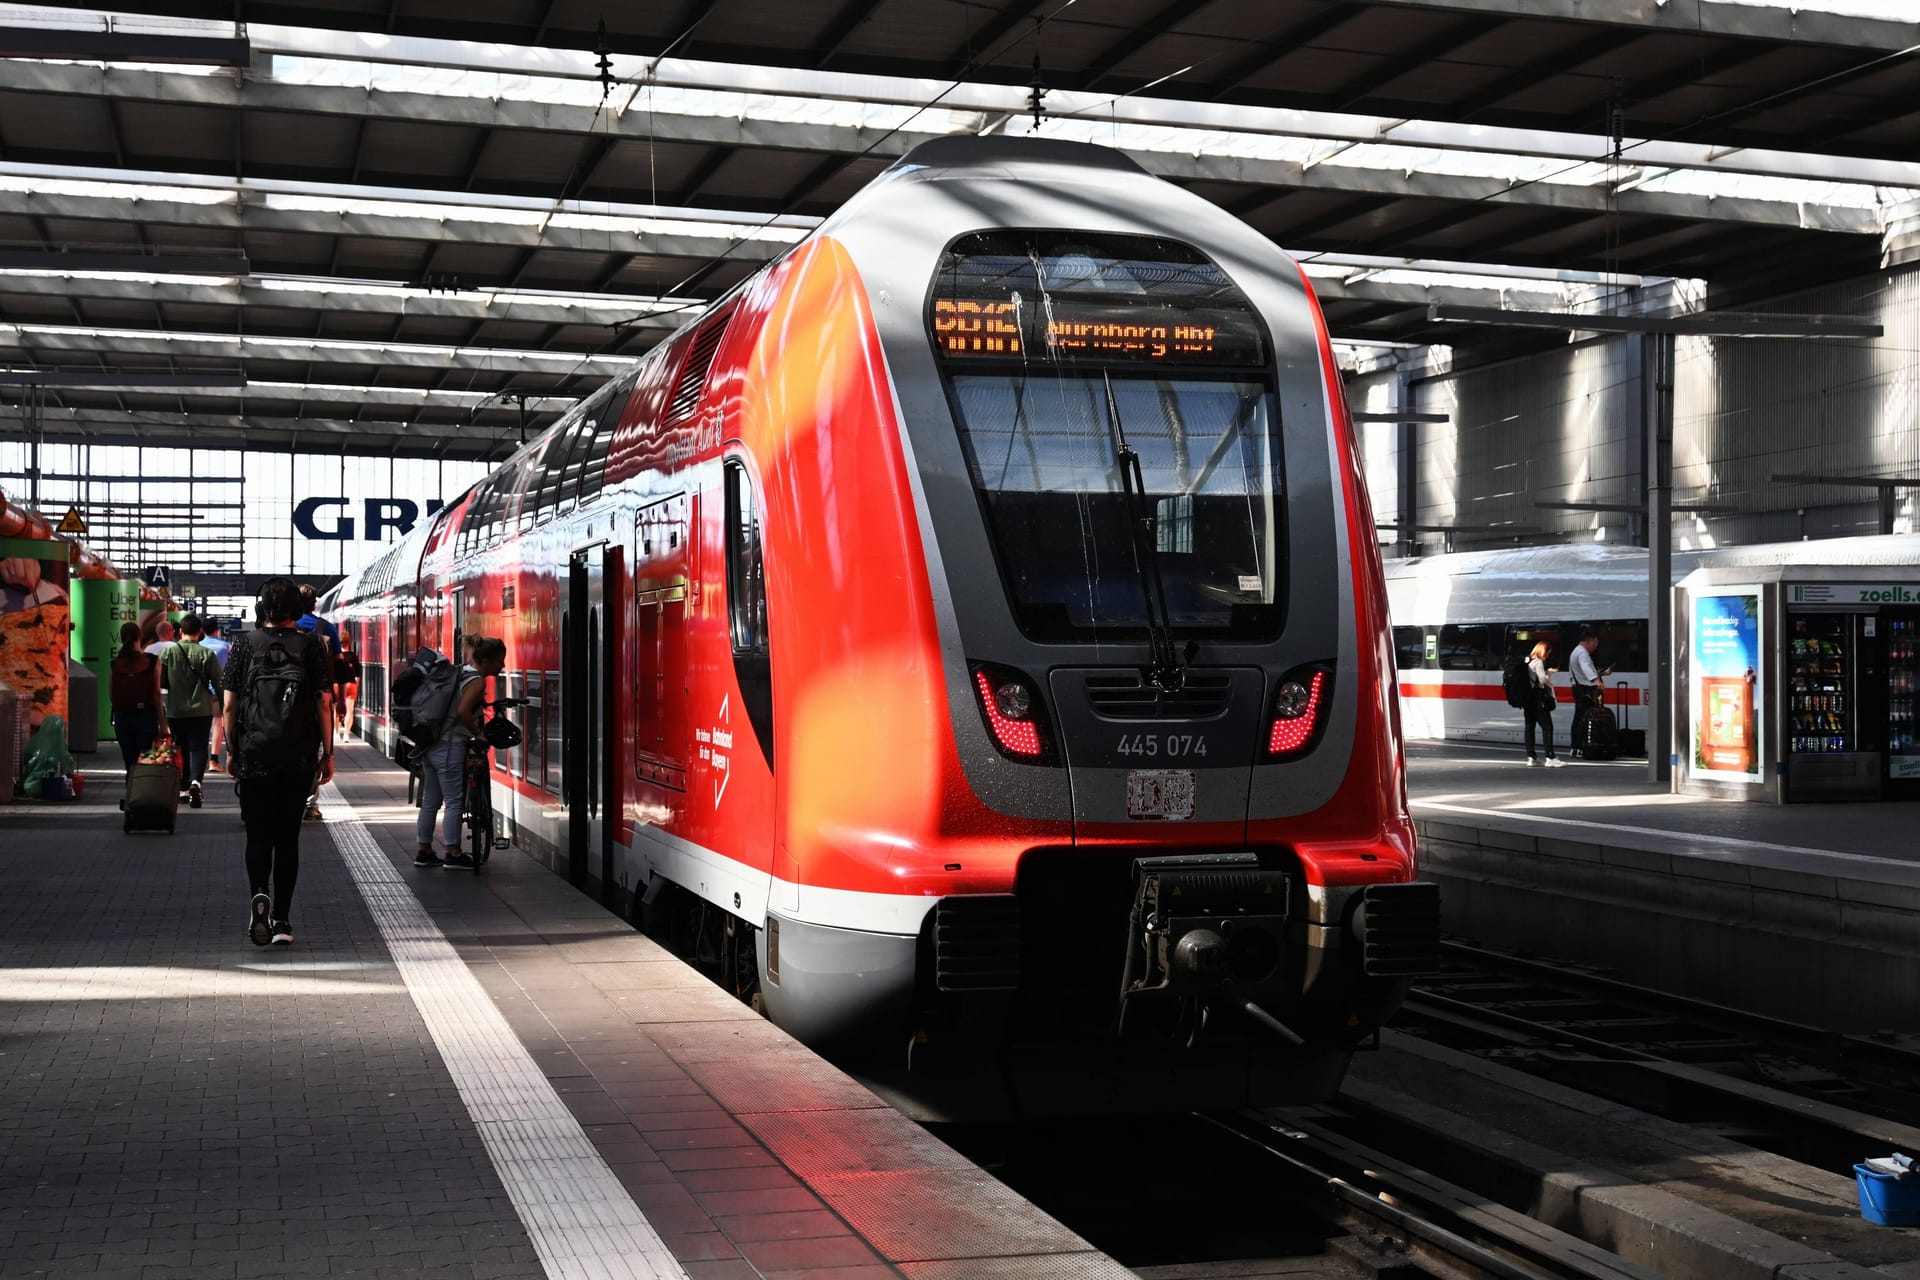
1013, 714
1298, 707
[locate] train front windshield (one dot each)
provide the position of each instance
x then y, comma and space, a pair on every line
1108, 383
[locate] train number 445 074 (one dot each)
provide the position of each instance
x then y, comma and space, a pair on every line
1173, 746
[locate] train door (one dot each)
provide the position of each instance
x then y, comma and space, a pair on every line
584, 719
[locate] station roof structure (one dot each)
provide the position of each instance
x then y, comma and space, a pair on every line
382, 224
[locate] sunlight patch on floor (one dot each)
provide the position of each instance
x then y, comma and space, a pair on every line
172, 982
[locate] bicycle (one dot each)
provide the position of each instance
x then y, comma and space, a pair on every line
476, 802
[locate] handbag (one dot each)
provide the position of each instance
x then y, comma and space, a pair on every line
164, 751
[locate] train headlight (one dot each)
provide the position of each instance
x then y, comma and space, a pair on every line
1015, 702
1013, 713
1299, 709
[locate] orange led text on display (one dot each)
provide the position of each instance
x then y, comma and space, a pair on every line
965, 327
976, 328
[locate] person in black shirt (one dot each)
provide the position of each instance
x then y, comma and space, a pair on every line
346, 684
279, 718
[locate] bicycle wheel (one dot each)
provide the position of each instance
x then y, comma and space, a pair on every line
479, 817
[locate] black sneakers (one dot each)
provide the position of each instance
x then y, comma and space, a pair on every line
260, 928
464, 860
427, 858
282, 933
193, 795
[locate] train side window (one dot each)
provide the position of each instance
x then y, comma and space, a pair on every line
1410, 647
554, 765
746, 573
594, 477
1468, 648
544, 486
1623, 644
533, 722
1558, 635
747, 605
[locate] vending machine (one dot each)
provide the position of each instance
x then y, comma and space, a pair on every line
1901, 628
1834, 749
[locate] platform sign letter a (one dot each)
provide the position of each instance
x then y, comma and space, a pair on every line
155, 575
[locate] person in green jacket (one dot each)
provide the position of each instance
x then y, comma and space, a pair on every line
190, 674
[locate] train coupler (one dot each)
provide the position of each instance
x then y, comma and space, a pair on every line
1210, 927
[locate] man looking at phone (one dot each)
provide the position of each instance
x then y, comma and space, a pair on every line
1588, 692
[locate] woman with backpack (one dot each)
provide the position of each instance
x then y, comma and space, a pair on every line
443, 771
279, 715
1540, 709
133, 691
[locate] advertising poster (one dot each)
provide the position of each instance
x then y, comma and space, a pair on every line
1725, 706
34, 616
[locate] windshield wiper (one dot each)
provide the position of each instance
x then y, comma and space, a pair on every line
1166, 671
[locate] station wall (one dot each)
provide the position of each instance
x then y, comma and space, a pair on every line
229, 510
1565, 426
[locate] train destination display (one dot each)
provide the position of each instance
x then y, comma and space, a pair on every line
1057, 296
975, 327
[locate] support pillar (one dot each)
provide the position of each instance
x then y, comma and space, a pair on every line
1407, 464
1657, 388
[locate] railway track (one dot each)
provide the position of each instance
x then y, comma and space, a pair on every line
1812, 1096
1402, 1219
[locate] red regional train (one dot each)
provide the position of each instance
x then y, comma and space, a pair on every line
969, 634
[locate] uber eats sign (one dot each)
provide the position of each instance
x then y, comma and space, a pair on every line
332, 519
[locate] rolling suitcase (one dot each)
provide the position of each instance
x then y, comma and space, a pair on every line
153, 797
1599, 736
1633, 742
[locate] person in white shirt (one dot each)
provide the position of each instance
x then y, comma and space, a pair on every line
163, 639
1587, 689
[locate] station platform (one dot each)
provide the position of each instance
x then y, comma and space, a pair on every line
446, 1074
1808, 912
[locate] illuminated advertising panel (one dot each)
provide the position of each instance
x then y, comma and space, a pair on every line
1725, 706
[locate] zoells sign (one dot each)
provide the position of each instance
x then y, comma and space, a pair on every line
35, 619
1725, 706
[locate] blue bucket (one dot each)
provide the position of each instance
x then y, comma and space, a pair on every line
1887, 1200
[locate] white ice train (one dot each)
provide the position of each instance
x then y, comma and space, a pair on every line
1457, 617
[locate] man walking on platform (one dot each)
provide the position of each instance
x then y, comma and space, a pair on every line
193, 697
279, 684
1588, 691
219, 649
313, 624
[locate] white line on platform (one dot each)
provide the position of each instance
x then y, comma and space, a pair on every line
1732, 844
581, 1220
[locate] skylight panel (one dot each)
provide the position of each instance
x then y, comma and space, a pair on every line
1753, 186
1897, 10
40, 184
268, 346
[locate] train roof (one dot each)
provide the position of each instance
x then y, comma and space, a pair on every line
1591, 581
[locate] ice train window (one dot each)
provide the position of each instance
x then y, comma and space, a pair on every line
1410, 647
1470, 648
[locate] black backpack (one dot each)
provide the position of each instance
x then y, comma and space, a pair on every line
280, 708
423, 696
1518, 682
